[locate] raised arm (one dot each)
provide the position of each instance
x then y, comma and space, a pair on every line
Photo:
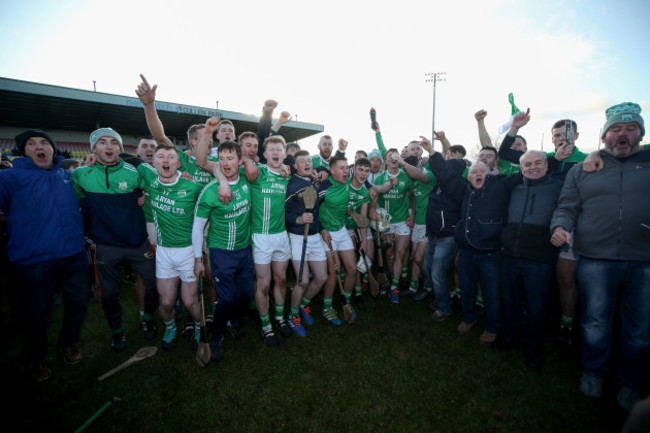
285, 117
203, 146
147, 96
483, 135
506, 151
264, 127
444, 141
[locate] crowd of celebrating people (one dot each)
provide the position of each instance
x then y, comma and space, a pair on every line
515, 231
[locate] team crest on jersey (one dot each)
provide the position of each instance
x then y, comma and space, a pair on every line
123, 186
244, 188
401, 184
182, 193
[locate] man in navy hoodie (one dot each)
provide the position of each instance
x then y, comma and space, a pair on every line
46, 241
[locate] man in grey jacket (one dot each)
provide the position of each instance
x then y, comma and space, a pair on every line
609, 211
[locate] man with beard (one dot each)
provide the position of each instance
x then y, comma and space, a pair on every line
321, 162
608, 213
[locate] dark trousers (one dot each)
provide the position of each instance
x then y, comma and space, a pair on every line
109, 261
525, 288
38, 284
233, 275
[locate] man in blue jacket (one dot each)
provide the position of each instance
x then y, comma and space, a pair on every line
46, 241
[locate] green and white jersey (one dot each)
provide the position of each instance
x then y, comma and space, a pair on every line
396, 200
230, 225
507, 167
188, 164
358, 197
333, 210
421, 192
318, 161
268, 193
172, 207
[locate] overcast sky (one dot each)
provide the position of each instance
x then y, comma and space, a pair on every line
329, 62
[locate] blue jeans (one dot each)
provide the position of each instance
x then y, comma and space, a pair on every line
609, 290
473, 268
528, 283
38, 284
438, 257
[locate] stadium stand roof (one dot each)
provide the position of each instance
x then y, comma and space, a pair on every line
29, 104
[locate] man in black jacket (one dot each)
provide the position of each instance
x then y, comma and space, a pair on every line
528, 258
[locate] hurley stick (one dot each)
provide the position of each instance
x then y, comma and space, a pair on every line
384, 284
309, 197
143, 353
374, 285
203, 352
348, 312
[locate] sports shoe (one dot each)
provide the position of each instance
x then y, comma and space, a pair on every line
40, 371
149, 329
169, 339
465, 327
296, 326
394, 296
283, 327
118, 342
216, 348
564, 337
627, 397
305, 313
269, 339
188, 330
591, 386
420, 295
439, 316
533, 361
487, 337
408, 293
71, 354
360, 303
235, 330
332, 317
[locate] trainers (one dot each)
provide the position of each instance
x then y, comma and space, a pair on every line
283, 327
439, 316
188, 330
533, 361
464, 327
235, 330
169, 339
71, 354
216, 348
383, 292
269, 339
360, 303
149, 329
118, 342
296, 325
488, 337
409, 293
421, 295
332, 317
40, 371
627, 397
591, 386
305, 313
394, 296
564, 338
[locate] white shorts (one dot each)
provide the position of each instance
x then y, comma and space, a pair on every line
341, 240
175, 262
152, 233
399, 229
419, 233
271, 248
314, 251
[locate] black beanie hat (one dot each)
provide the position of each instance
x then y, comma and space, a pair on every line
21, 139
